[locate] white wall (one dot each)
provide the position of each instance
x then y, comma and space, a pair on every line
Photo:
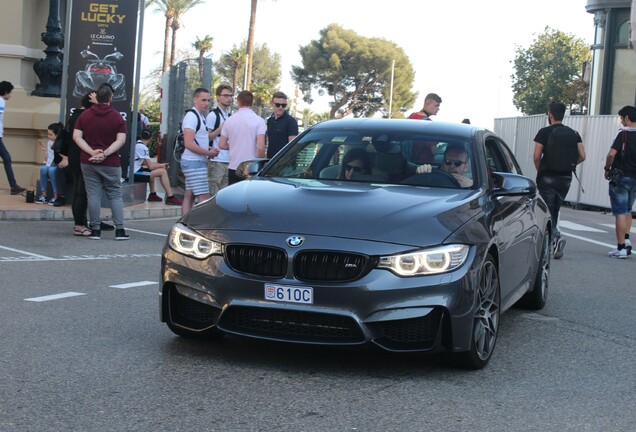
598, 133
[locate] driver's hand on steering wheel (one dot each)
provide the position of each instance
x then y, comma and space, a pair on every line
424, 169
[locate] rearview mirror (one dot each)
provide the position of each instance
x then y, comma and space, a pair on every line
508, 184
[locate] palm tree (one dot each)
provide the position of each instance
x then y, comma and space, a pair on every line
173, 11
262, 93
203, 45
250, 44
238, 61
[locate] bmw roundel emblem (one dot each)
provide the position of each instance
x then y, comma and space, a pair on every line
295, 241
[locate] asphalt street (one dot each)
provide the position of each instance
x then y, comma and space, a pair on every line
82, 349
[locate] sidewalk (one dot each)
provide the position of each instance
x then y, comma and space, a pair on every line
15, 207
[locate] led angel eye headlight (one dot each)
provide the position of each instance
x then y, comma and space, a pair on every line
430, 261
187, 242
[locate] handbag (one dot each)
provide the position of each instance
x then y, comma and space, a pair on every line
30, 196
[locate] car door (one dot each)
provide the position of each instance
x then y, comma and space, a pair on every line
513, 223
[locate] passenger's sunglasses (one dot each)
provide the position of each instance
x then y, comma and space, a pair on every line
455, 162
356, 169
283, 105
226, 95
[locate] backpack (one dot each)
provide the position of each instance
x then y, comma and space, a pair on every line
561, 153
179, 144
217, 122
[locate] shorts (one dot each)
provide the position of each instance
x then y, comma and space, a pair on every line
196, 176
623, 195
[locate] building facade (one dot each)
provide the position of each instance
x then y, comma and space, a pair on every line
613, 78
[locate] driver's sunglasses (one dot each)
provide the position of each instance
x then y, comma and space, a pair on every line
279, 105
356, 169
455, 162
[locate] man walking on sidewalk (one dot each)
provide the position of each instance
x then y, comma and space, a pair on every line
5, 94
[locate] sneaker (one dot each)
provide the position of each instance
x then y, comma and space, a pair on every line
628, 246
120, 234
53, 201
172, 200
41, 200
17, 190
105, 227
615, 253
60, 201
558, 250
153, 197
95, 234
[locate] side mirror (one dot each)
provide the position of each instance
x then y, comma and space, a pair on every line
507, 184
249, 168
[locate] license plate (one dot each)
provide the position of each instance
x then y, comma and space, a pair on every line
289, 294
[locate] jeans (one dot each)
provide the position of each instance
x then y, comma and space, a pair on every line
623, 195
6, 160
47, 172
553, 190
80, 205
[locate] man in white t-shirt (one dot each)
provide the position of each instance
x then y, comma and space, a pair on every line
217, 167
5, 94
194, 161
243, 134
146, 167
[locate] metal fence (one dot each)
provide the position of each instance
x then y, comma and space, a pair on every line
598, 133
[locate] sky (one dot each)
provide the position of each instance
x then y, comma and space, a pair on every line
462, 50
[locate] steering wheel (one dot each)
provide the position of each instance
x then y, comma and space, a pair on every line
436, 178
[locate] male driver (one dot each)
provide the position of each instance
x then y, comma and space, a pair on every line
622, 190
194, 161
456, 163
423, 152
281, 127
554, 184
217, 167
243, 134
5, 94
100, 131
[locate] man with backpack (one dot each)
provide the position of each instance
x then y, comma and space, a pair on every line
557, 151
194, 160
620, 170
217, 167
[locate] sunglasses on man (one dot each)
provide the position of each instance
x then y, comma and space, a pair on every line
280, 105
455, 162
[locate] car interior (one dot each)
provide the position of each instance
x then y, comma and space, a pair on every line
391, 159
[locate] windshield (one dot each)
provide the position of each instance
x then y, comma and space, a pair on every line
379, 157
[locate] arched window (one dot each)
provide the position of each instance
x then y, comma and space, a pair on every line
622, 36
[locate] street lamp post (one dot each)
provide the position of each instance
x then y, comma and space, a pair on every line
49, 70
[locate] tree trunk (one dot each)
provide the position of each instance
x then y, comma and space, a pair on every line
250, 45
166, 39
173, 48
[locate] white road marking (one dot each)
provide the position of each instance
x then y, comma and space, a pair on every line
578, 227
54, 296
147, 232
74, 257
39, 257
613, 227
608, 245
133, 284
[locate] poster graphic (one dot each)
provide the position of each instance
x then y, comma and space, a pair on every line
101, 50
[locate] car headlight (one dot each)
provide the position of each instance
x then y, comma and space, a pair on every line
187, 242
430, 261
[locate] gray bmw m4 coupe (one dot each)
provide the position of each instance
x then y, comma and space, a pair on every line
410, 235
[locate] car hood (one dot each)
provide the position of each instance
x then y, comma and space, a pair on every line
406, 215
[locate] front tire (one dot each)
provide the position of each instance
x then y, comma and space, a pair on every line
485, 321
537, 297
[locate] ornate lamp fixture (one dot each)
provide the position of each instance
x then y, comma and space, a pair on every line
49, 70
